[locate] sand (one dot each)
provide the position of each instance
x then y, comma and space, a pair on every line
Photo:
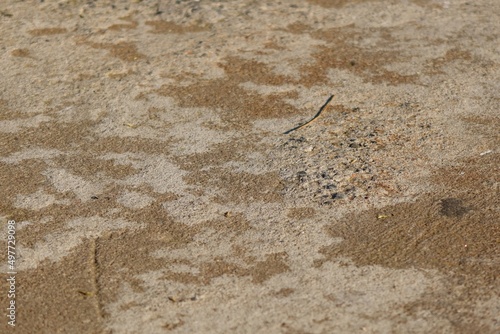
144, 159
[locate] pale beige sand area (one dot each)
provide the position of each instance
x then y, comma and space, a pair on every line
144, 158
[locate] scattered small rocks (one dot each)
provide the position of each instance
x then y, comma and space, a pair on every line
345, 157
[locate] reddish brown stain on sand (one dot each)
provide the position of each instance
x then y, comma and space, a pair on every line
47, 31
342, 52
236, 104
165, 27
260, 271
454, 230
126, 51
67, 283
25, 53
343, 3
301, 213
124, 26
336, 3
433, 231
455, 55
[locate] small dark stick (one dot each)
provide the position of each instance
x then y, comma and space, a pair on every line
312, 119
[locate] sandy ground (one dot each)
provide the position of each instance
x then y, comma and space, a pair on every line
144, 161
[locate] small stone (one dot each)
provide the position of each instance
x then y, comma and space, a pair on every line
354, 145
301, 176
338, 196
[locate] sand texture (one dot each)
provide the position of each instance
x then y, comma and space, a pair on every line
145, 160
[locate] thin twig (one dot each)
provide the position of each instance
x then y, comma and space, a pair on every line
312, 119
